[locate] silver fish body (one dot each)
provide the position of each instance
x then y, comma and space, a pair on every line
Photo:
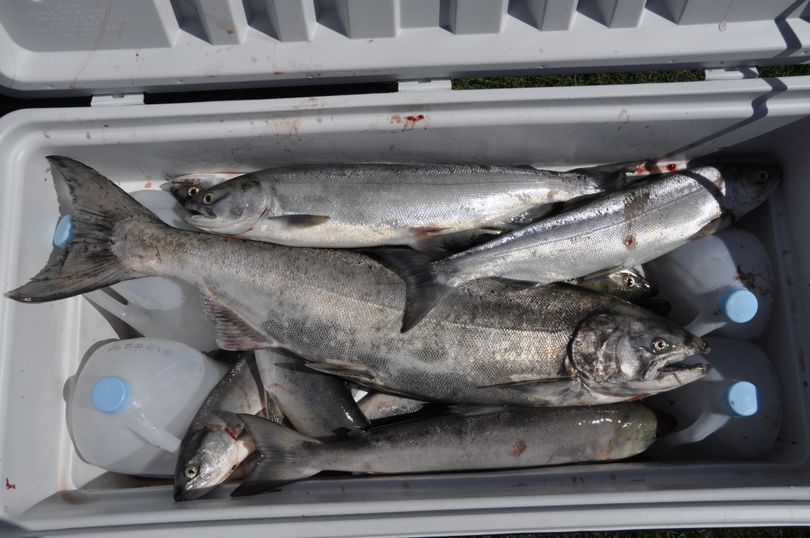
503, 439
316, 404
340, 310
623, 228
371, 204
379, 405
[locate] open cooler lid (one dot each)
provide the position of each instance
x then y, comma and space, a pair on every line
112, 46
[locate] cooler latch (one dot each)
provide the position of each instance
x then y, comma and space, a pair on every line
117, 99
425, 85
731, 73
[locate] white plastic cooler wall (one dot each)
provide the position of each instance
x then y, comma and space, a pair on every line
46, 488
93, 46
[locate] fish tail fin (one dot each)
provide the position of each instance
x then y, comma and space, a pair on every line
87, 261
423, 290
280, 456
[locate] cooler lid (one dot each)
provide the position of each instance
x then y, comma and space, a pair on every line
112, 46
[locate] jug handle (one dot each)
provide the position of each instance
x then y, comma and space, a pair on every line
134, 316
144, 428
706, 424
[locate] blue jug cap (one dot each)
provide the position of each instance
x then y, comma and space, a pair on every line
61, 234
738, 304
111, 394
742, 398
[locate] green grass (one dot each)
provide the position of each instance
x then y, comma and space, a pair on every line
684, 533
595, 79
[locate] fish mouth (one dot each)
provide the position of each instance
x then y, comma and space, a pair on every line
200, 211
189, 494
670, 364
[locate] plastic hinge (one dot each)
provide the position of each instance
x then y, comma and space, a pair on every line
731, 73
429, 85
118, 99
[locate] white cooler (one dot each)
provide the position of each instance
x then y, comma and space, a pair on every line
115, 50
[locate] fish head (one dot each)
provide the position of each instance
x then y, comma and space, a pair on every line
631, 284
628, 351
206, 459
183, 190
230, 208
747, 186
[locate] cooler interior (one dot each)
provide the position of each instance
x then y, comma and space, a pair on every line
46, 487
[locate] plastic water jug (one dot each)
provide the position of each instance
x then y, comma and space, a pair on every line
732, 413
720, 284
158, 307
132, 401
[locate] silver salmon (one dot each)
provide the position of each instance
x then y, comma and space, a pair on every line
316, 404
216, 442
341, 311
507, 438
272, 383
623, 228
372, 204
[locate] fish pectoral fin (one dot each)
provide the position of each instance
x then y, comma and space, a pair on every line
422, 232
529, 382
723, 221
551, 391
232, 332
300, 221
518, 284
529, 216
346, 370
471, 410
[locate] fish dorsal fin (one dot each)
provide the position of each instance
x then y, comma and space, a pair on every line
232, 332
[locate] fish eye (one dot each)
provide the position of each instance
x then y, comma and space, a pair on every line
660, 345
629, 281
763, 175
192, 191
191, 471
208, 198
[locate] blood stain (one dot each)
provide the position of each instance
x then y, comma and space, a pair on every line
672, 167
519, 448
87, 135
10, 485
630, 242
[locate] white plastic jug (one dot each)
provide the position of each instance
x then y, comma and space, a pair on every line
732, 413
720, 284
130, 404
158, 307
